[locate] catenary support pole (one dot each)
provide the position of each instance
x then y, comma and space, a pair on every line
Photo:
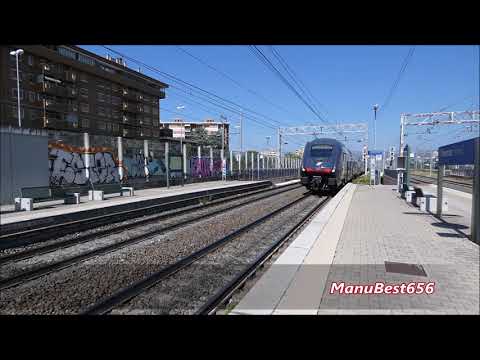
145, 159
86, 145
258, 166
231, 163
167, 164
120, 157
440, 190
475, 228
184, 175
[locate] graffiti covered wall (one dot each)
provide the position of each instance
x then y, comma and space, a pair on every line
67, 165
201, 167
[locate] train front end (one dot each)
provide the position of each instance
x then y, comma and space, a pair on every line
319, 166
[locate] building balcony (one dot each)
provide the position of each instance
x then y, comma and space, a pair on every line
52, 72
54, 106
56, 91
131, 108
130, 120
130, 96
130, 131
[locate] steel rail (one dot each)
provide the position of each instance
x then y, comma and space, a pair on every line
125, 214
128, 293
225, 293
62, 264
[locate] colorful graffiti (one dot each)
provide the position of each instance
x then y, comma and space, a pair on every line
67, 165
201, 167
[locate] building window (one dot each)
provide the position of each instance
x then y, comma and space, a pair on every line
115, 128
101, 125
84, 92
115, 114
72, 106
35, 114
85, 123
84, 107
13, 74
102, 87
101, 97
115, 88
14, 112
85, 59
15, 92
83, 77
101, 111
147, 120
146, 109
70, 76
115, 100
31, 96
155, 110
71, 91
67, 53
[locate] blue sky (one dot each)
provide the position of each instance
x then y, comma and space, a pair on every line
346, 81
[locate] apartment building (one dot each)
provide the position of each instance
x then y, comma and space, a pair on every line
68, 88
185, 129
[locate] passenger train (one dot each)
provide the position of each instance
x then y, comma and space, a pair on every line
328, 165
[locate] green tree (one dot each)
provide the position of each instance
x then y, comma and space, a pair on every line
201, 136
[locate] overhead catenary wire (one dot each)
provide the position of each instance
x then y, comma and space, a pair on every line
264, 60
298, 81
204, 95
222, 73
398, 78
198, 90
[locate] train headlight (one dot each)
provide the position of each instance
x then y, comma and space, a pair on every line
303, 169
333, 170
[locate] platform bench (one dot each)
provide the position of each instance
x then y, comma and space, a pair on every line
100, 190
29, 195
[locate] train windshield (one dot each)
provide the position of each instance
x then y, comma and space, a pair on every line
321, 152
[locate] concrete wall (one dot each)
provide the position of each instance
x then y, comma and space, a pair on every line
24, 161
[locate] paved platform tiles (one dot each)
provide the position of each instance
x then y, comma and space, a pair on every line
350, 241
57, 207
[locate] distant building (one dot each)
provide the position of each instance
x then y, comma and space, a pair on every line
70, 89
185, 130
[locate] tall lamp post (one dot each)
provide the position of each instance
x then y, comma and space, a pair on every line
16, 53
375, 108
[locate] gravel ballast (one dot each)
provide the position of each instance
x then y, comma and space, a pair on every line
71, 290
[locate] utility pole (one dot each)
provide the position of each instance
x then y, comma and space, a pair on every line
241, 132
279, 147
431, 163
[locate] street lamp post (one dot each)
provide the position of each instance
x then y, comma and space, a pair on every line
375, 108
16, 53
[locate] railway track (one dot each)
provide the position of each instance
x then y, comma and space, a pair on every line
44, 233
224, 295
44, 269
429, 180
138, 288
12, 237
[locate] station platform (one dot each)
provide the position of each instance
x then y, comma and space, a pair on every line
367, 235
50, 212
